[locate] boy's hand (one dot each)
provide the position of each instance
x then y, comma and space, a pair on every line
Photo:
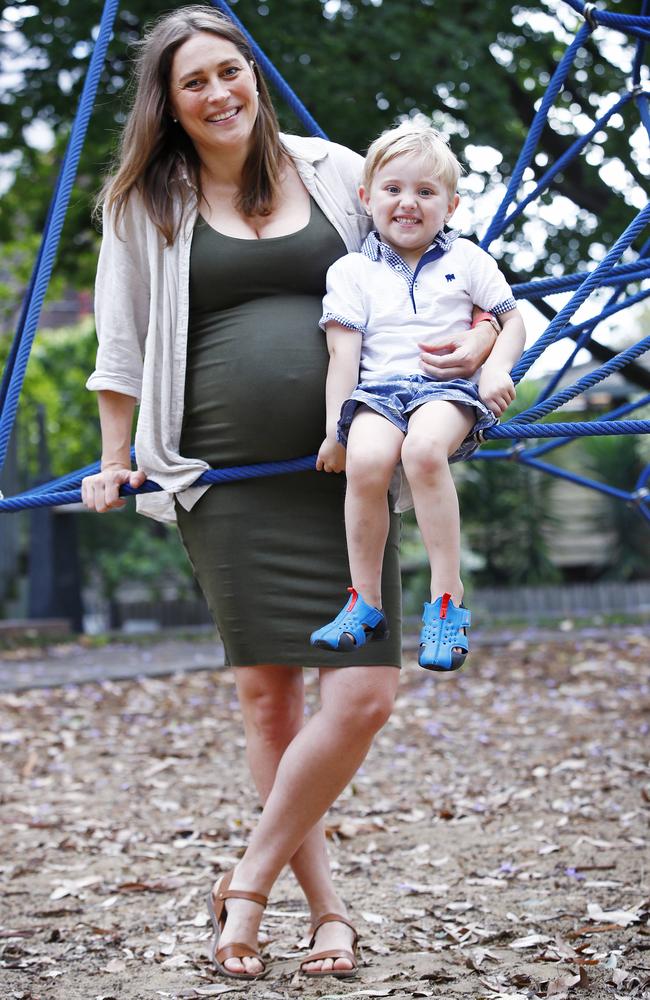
331, 456
496, 389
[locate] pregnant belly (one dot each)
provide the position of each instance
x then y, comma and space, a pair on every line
255, 383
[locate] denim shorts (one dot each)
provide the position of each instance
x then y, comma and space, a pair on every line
397, 399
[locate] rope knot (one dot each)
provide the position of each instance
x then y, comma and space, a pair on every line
589, 14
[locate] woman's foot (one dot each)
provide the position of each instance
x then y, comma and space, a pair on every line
236, 922
333, 934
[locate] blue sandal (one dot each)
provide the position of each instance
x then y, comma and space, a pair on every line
355, 625
443, 626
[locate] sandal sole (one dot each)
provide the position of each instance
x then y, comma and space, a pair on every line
214, 944
350, 645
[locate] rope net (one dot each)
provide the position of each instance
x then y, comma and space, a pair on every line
521, 433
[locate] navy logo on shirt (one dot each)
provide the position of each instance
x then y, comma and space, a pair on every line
450, 277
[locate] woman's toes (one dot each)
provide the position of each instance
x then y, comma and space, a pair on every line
250, 965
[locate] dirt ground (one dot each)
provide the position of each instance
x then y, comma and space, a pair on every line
494, 844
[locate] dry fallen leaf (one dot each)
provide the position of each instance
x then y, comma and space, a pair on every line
622, 918
521, 800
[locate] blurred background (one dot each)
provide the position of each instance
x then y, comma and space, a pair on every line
536, 548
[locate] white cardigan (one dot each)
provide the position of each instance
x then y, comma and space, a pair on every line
142, 310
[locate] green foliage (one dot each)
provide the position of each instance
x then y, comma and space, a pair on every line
113, 547
618, 461
122, 547
505, 511
59, 365
478, 69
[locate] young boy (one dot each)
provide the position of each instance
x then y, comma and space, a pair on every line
412, 283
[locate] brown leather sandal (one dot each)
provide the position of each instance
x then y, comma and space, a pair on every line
217, 909
332, 952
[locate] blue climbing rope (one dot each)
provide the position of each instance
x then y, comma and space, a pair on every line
610, 272
50, 242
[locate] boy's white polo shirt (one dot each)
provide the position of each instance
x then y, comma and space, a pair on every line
377, 294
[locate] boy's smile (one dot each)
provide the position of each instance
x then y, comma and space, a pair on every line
409, 205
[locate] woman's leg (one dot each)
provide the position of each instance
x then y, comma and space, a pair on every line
435, 431
316, 766
272, 704
373, 451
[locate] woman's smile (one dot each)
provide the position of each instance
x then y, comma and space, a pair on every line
213, 93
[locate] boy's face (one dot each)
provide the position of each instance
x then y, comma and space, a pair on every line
409, 205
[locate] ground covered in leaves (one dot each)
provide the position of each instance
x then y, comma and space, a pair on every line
494, 845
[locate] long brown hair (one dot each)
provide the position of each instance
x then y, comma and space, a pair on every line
156, 156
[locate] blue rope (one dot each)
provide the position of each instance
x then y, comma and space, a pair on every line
587, 328
638, 58
622, 274
271, 73
619, 411
619, 21
51, 239
518, 429
570, 154
7, 374
573, 477
46, 496
521, 427
586, 382
511, 429
588, 285
536, 129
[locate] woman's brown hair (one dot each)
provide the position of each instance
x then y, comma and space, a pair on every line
157, 158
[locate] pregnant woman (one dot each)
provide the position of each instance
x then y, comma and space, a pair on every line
218, 233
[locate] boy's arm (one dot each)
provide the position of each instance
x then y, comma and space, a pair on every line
344, 348
495, 386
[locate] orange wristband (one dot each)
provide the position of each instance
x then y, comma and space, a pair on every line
488, 317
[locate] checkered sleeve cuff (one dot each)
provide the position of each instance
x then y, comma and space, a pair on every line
505, 306
330, 317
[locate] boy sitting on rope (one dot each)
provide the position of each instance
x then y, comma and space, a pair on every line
411, 284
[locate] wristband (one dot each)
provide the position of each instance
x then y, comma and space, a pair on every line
488, 317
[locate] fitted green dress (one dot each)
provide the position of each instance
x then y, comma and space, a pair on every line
269, 553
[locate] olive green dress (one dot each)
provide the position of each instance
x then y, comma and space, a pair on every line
269, 553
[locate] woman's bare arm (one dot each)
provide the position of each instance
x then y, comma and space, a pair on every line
100, 492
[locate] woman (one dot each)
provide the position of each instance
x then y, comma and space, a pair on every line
218, 232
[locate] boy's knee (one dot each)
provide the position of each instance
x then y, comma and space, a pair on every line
423, 455
368, 466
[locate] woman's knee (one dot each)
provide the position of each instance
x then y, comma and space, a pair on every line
272, 702
365, 709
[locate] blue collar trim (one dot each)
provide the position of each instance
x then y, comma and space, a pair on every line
374, 248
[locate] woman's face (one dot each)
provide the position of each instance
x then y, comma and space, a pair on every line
212, 93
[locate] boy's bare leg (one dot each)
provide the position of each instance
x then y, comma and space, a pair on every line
436, 430
373, 451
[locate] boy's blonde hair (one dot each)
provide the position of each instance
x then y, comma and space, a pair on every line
419, 139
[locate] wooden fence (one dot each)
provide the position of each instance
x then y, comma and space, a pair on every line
578, 600
523, 603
